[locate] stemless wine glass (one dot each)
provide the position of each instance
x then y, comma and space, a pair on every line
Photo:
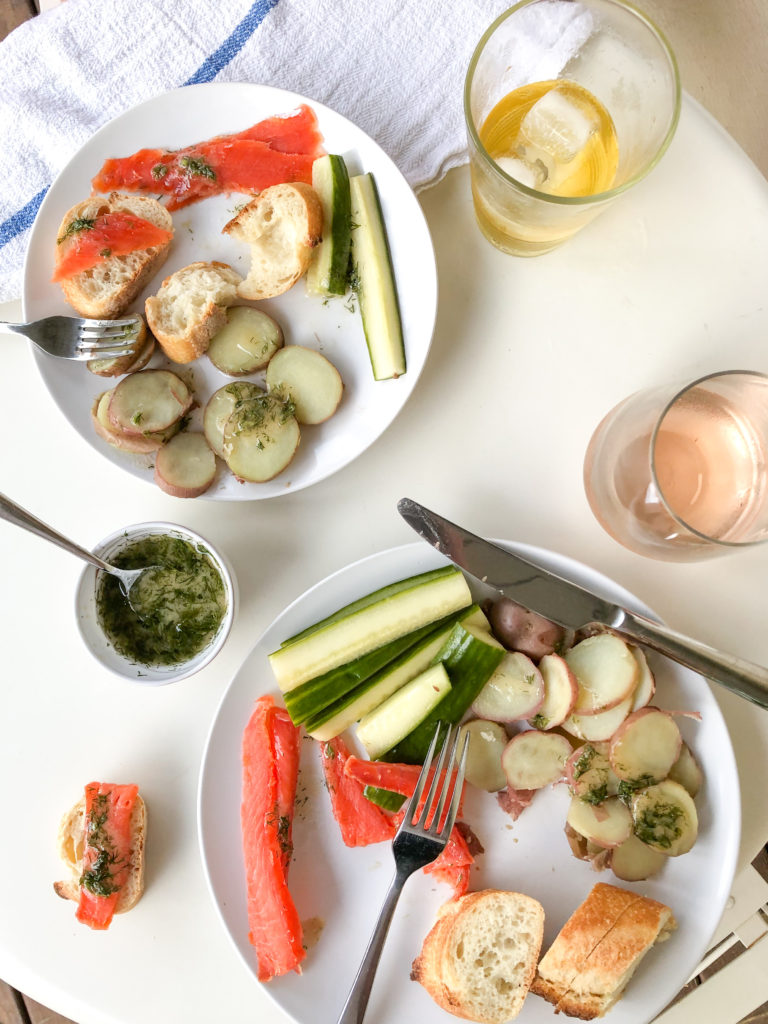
567, 103
680, 473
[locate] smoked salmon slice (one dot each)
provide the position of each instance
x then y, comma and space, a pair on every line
277, 149
453, 864
360, 821
89, 242
107, 851
270, 754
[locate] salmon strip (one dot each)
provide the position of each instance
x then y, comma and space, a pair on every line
115, 233
107, 851
360, 821
395, 777
276, 150
270, 754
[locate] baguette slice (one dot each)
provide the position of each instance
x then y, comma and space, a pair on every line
71, 841
191, 307
597, 951
479, 959
282, 225
107, 290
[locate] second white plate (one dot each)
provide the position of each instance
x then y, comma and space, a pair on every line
340, 890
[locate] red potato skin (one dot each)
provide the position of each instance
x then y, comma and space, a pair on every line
521, 630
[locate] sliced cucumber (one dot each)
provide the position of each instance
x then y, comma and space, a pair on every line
320, 699
384, 798
401, 713
374, 281
364, 630
375, 690
327, 274
368, 599
470, 656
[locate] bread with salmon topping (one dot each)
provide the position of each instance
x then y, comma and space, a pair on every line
70, 844
282, 225
106, 290
190, 307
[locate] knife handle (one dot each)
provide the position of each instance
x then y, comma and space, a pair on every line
741, 677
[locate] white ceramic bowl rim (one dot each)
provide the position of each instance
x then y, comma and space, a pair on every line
87, 615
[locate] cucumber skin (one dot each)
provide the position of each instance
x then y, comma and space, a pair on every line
377, 595
392, 363
304, 704
469, 664
340, 229
384, 798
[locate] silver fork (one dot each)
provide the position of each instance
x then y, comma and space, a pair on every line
414, 846
72, 337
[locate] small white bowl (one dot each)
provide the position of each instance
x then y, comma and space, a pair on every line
93, 634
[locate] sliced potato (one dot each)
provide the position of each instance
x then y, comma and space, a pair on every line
598, 727
246, 343
645, 687
589, 774
634, 861
141, 444
185, 466
522, 630
309, 380
605, 670
560, 692
645, 746
514, 692
137, 360
260, 438
533, 759
608, 824
148, 401
665, 818
487, 743
686, 771
220, 407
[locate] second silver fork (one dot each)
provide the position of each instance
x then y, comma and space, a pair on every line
415, 845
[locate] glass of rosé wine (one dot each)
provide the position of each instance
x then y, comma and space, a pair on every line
680, 472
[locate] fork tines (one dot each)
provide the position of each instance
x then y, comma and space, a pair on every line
429, 822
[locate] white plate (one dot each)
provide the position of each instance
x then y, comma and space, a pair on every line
344, 888
193, 114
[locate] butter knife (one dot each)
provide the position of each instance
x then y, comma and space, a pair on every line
573, 607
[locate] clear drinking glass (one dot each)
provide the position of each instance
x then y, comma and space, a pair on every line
568, 103
680, 473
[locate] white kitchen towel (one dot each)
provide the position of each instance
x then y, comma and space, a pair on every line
394, 67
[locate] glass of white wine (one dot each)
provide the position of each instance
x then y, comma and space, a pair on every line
568, 103
681, 473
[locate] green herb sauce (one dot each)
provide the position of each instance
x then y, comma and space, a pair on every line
179, 607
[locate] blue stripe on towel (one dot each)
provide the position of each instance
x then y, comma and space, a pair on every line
21, 220
234, 43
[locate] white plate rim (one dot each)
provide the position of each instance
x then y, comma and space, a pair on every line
402, 212
579, 573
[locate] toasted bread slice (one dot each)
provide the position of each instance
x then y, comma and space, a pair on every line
70, 843
191, 307
479, 959
282, 225
107, 290
598, 949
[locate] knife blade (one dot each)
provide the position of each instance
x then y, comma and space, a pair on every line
570, 605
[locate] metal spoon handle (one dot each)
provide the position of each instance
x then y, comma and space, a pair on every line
15, 514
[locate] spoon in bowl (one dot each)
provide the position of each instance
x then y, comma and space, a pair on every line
128, 578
